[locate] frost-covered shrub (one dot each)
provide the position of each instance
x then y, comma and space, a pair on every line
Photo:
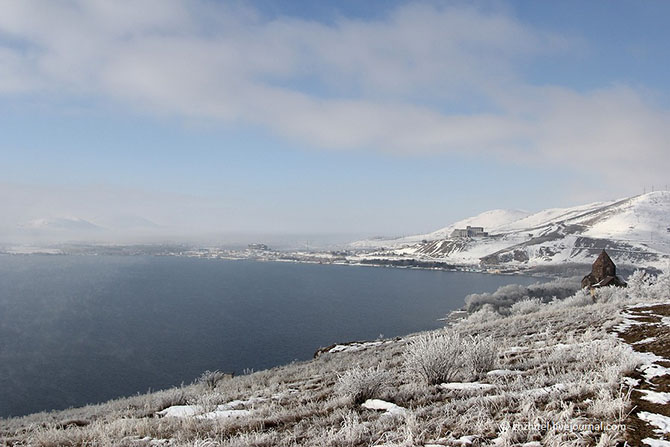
352, 431
611, 405
502, 299
481, 353
526, 307
435, 357
643, 286
611, 352
639, 283
444, 356
485, 314
210, 379
580, 299
660, 289
360, 384
168, 398
610, 294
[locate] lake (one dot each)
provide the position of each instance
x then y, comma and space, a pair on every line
85, 329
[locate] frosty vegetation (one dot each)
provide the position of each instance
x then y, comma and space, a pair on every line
360, 384
439, 357
210, 379
503, 299
525, 364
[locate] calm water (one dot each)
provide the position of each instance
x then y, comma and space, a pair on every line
77, 330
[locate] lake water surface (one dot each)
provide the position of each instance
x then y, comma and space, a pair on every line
85, 329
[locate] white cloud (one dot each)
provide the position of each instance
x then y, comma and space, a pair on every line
386, 84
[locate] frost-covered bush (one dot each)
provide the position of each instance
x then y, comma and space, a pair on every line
485, 314
360, 384
611, 405
352, 431
639, 283
610, 294
481, 353
526, 307
502, 299
210, 379
647, 287
658, 288
581, 298
440, 357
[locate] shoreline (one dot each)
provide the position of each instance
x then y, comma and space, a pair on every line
432, 264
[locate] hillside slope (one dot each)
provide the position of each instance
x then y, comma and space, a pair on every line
634, 231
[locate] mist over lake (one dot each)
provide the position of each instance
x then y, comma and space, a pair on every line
85, 329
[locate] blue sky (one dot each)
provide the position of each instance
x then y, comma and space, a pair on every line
211, 118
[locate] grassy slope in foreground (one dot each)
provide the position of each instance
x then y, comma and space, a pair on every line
555, 375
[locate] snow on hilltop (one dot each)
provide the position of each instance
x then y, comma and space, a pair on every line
634, 230
487, 219
60, 223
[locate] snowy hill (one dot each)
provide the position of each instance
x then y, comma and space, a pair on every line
487, 219
61, 224
634, 231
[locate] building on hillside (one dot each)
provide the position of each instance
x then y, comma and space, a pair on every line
469, 232
603, 274
476, 231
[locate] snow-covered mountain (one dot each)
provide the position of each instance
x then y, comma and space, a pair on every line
487, 219
45, 231
61, 224
634, 231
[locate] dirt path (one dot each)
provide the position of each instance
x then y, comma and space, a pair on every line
647, 329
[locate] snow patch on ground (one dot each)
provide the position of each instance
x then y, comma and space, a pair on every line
382, 405
354, 347
467, 386
649, 368
228, 410
628, 322
224, 414
652, 304
656, 396
180, 411
147, 440
504, 372
650, 357
651, 371
631, 382
185, 411
656, 442
662, 423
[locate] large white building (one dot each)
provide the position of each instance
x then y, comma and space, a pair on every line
469, 232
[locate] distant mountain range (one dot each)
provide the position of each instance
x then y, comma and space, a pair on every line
45, 231
121, 222
634, 231
61, 224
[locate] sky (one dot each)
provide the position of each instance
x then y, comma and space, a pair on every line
158, 120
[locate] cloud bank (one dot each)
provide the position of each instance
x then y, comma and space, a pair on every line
421, 79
